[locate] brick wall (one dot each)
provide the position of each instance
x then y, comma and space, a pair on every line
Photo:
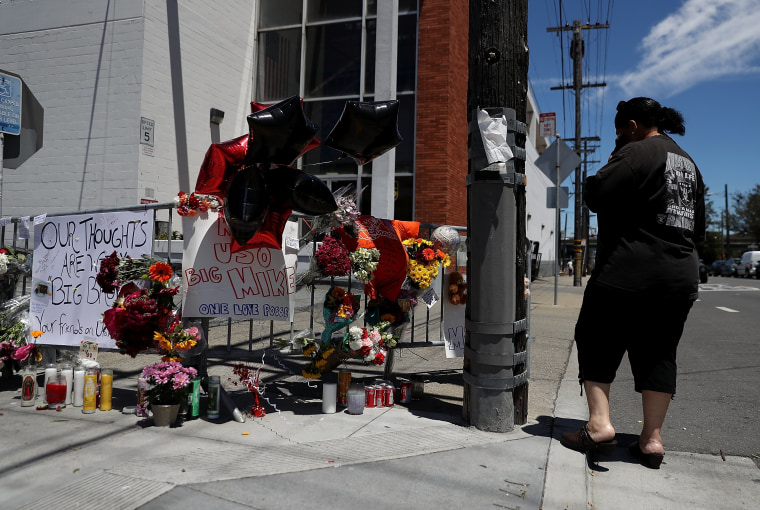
442, 73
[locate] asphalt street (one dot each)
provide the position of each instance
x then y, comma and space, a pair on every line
717, 406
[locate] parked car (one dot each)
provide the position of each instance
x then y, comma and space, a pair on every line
702, 272
714, 268
746, 266
729, 268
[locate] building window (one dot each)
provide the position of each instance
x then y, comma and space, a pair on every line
324, 52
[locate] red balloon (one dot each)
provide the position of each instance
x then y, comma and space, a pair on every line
221, 162
366, 130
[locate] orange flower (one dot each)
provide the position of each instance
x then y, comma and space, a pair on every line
160, 272
37, 333
428, 254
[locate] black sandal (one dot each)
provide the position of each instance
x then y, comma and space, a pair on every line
581, 441
650, 460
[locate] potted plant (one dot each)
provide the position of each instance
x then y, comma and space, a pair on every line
169, 385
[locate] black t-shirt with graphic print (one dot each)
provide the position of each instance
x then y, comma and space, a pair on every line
649, 200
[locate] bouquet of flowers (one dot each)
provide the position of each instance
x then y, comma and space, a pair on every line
176, 341
370, 344
346, 213
12, 263
325, 357
340, 309
363, 262
137, 313
170, 382
192, 204
424, 261
332, 257
382, 309
18, 345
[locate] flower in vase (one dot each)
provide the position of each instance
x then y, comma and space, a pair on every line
170, 382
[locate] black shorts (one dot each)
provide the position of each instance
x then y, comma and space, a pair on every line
612, 322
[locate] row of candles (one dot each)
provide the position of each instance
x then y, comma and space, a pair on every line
80, 386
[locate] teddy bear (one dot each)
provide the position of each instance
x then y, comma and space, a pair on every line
457, 289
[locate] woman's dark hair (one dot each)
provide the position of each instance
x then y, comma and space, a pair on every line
649, 113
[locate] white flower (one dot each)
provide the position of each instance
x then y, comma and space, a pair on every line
3, 263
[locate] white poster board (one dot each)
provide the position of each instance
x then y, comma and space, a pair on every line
254, 284
453, 329
66, 302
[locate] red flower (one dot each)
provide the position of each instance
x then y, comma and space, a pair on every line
365, 350
379, 358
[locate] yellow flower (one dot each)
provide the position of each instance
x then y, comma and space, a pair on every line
320, 363
309, 350
328, 353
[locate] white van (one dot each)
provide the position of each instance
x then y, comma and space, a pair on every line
747, 266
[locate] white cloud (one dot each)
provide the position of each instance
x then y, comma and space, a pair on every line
704, 40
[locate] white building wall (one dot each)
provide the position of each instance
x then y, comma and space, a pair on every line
98, 67
83, 65
216, 49
540, 220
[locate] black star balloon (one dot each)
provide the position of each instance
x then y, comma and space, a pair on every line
366, 130
279, 134
246, 203
300, 191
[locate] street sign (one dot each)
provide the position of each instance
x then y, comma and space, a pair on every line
10, 104
27, 126
547, 124
568, 160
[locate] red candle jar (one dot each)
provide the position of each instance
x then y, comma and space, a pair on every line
55, 391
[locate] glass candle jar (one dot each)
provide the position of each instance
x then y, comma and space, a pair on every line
356, 397
55, 391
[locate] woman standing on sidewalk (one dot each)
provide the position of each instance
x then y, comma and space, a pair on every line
649, 200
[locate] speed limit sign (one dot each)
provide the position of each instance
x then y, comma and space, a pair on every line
146, 131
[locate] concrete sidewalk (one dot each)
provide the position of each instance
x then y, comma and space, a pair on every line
420, 455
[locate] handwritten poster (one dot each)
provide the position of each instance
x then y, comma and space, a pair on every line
67, 304
453, 326
257, 283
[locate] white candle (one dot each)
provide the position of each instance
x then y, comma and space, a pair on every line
50, 371
329, 397
78, 394
68, 374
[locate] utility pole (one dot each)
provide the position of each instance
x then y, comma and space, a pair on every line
576, 52
495, 354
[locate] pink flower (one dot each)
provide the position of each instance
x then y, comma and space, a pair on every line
23, 352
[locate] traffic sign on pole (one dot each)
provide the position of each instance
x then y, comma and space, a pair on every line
10, 104
547, 124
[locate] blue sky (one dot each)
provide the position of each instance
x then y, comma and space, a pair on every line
701, 57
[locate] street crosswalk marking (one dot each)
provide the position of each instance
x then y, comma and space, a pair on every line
726, 309
722, 287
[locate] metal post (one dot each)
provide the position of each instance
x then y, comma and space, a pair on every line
557, 235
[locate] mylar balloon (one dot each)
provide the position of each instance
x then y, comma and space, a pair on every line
303, 192
221, 161
366, 130
246, 203
279, 134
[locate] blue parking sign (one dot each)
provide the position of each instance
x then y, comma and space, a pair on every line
10, 104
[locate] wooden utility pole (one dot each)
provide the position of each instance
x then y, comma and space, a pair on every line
495, 358
576, 52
